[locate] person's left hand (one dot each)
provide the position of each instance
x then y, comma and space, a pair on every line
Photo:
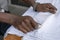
46, 7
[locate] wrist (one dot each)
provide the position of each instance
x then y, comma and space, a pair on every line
32, 2
35, 6
14, 19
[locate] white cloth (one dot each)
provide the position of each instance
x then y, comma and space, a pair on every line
50, 29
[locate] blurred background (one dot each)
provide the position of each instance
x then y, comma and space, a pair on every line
17, 7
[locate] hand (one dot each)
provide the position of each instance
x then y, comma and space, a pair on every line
46, 7
24, 23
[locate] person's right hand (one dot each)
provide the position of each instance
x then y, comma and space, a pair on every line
24, 23
46, 7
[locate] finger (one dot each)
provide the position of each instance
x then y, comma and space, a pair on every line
33, 23
52, 11
45, 10
52, 7
22, 29
27, 22
25, 26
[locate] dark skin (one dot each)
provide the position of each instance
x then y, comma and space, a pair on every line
47, 7
25, 24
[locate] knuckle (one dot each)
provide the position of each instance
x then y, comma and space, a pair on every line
27, 17
26, 20
49, 4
